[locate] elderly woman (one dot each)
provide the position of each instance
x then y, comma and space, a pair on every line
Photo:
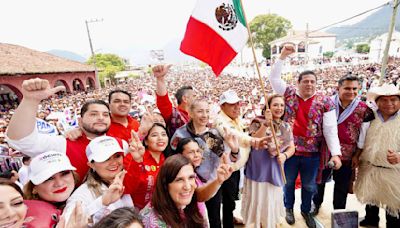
212, 145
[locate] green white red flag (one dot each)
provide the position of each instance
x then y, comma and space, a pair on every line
215, 33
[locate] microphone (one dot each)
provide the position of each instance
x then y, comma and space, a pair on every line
331, 164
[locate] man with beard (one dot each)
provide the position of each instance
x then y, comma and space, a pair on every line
122, 124
22, 134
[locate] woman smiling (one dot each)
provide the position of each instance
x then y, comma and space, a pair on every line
174, 203
143, 164
12, 207
103, 189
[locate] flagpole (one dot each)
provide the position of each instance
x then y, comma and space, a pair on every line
263, 90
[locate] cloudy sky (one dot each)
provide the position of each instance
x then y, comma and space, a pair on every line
133, 27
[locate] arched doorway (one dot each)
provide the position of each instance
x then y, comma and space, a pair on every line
90, 84
77, 85
301, 47
62, 83
10, 96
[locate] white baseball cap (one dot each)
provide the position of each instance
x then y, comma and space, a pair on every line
45, 165
229, 97
102, 148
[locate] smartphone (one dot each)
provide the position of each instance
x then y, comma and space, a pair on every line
344, 219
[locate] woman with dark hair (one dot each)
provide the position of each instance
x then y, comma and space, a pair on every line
190, 149
262, 202
174, 203
143, 164
124, 217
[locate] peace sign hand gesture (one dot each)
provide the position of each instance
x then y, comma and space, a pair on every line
136, 147
115, 190
231, 139
224, 170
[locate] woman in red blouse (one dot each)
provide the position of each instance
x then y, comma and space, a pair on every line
143, 164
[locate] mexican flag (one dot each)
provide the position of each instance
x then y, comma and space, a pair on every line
215, 33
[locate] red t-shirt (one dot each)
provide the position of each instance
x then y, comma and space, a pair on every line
165, 107
140, 178
76, 152
120, 131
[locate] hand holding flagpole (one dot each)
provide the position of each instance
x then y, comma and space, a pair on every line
264, 93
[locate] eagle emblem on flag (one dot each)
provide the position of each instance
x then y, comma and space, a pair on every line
226, 16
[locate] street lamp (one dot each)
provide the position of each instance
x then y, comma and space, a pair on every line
91, 49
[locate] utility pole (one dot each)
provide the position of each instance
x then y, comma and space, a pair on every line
307, 35
388, 40
91, 49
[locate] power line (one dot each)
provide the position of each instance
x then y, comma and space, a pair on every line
301, 35
351, 17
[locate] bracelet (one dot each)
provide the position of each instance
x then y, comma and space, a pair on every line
285, 155
235, 153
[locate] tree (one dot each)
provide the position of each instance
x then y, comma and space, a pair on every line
328, 54
266, 28
108, 65
362, 48
349, 44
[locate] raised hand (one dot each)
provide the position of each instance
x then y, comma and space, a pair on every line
38, 89
231, 139
136, 147
115, 190
160, 71
287, 50
146, 123
78, 218
224, 170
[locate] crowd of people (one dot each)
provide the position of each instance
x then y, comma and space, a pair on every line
131, 155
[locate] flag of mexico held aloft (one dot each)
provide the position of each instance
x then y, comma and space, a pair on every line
215, 33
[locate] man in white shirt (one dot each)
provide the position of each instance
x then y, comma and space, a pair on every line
312, 116
23, 171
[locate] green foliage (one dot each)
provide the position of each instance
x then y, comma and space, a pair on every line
108, 65
328, 54
266, 28
349, 44
362, 48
